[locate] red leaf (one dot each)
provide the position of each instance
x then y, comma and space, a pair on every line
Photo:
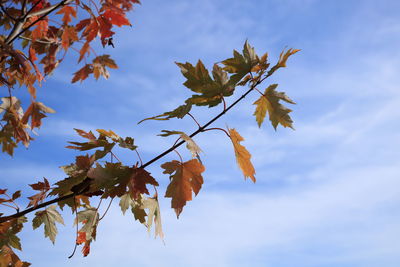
137, 183
68, 37
84, 50
81, 238
83, 73
41, 29
116, 17
68, 12
41, 185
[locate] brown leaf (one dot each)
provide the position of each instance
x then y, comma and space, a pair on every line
137, 182
185, 178
36, 112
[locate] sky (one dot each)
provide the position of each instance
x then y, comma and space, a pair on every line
327, 194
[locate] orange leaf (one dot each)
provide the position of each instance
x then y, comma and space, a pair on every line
84, 50
41, 29
36, 111
68, 37
185, 178
83, 73
68, 12
242, 155
81, 238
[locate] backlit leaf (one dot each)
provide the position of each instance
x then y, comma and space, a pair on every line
179, 113
242, 155
153, 214
185, 178
48, 217
269, 101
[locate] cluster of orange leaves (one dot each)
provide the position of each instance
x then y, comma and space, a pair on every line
36, 42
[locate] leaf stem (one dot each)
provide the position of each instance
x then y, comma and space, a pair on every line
217, 128
194, 119
108, 207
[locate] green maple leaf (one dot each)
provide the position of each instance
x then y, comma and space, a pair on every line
179, 113
241, 64
48, 217
199, 81
269, 102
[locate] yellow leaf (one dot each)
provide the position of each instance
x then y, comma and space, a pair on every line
242, 155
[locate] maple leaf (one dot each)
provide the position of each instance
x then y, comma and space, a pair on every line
48, 217
36, 112
9, 258
90, 219
82, 73
125, 143
199, 81
68, 12
283, 57
125, 202
138, 212
100, 142
179, 113
185, 178
43, 187
99, 66
269, 101
240, 64
242, 155
114, 179
41, 29
68, 37
116, 17
9, 230
84, 50
190, 144
153, 215
138, 180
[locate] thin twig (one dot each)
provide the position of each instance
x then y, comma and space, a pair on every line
4, 204
140, 159
176, 151
108, 207
194, 119
76, 219
115, 156
216, 128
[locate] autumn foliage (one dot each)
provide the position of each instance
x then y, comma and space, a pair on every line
40, 35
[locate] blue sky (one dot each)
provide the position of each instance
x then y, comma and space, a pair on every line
327, 194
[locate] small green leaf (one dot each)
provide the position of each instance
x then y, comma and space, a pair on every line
179, 113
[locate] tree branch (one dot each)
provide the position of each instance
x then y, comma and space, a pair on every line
18, 30
172, 148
